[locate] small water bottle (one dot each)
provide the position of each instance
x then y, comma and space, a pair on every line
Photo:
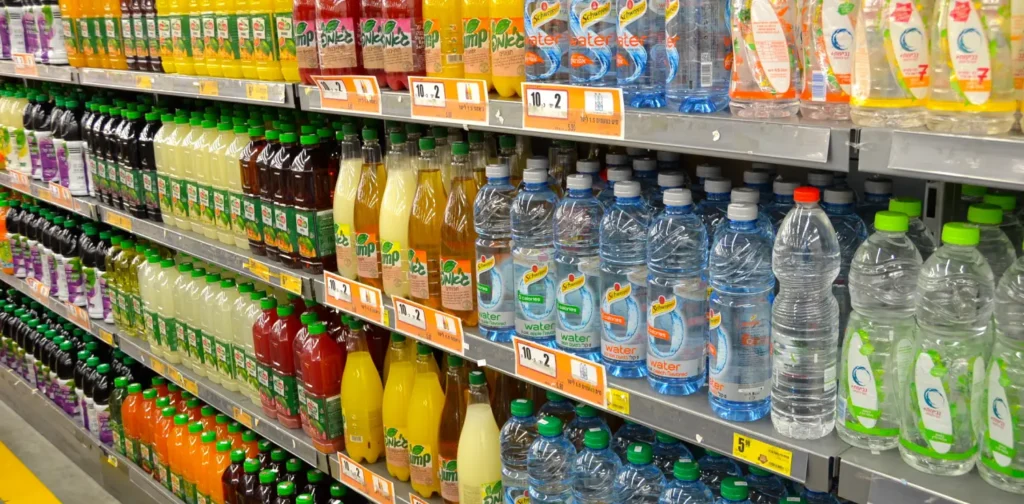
993, 244
734, 491
740, 318
533, 258
628, 434
641, 46
699, 55
820, 180
669, 161
667, 450
782, 203
704, 172
761, 182
645, 171
592, 47
851, 232
617, 160
546, 23
677, 257
751, 196
549, 463
765, 487
592, 168
1011, 224
624, 283
614, 175
494, 280
577, 223
877, 193
639, 481
715, 206
586, 420
595, 468
920, 235
557, 406
716, 468
672, 179
517, 435
686, 487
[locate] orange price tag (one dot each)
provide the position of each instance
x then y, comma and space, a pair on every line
353, 93
39, 290
378, 489
25, 64
573, 109
78, 315
209, 88
428, 324
463, 101
353, 297
570, 375
61, 196
20, 181
157, 366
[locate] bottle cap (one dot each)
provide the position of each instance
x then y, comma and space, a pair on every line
644, 165
678, 197
221, 418
397, 338
285, 310
734, 489
661, 437
293, 465
795, 499
135, 388
314, 476
309, 140
537, 163
619, 174
579, 181
368, 134
705, 171
535, 176
595, 438
146, 394
806, 194
588, 166
181, 419
338, 490
308, 318
267, 476
984, 213
669, 157
427, 143
839, 196
585, 411
250, 465
960, 233
522, 408
285, 488
879, 186
820, 179
686, 470
460, 149
497, 171
742, 212
549, 426
671, 179
195, 428
475, 137
317, 328
422, 349
477, 378
507, 142
745, 195
552, 396
454, 361
909, 206
1007, 202
209, 437
756, 177
612, 159
639, 453
893, 222
67, 346
248, 436
278, 455
167, 411
627, 189
120, 381
717, 185
304, 499
974, 191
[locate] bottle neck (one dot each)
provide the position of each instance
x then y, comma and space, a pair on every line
627, 200
877, 198
738, 225
581, 193
718, 196
784, 198
679, 210
839, 208
498, 181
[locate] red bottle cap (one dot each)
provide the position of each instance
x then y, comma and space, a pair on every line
806, 194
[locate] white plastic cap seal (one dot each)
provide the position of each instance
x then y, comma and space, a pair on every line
535, 176
784, 187
707, 171
627, 189
756, 177
717, 185
644, 165
678, 197
820, 179
537, 163
745, 195
616, 159
742, 212
497, 171
579, 181
671, 179
838, 196
619, 174
881, 186
588, 166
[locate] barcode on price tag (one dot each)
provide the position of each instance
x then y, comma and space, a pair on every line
429, 94
551, 103
382, 489
598, 102
365, 88
445, 323
333, 90
368, 297
410, 314
538, 360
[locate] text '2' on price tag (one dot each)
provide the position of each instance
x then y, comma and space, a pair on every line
428, 324
353, 297
351, 93
573, 376
366, 482
573, 109
762, 454
463, 101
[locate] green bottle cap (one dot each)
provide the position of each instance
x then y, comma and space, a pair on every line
268, 476
169, 412
163, 402
223, 446
285, 310
985, 214
337, 490
314, 476
248, 436
522, 408
595, 439
236, 455
639, 453
308, 318
686, 470
427, 143
278, 455
1007, 202
180, 419
734, 489
454, 361
135, 388
293, 465
304, 499
422, 349
147, 394
460, 149
251, 465
585, 411
477, 378
195, 428
268, 303
959, 233
285, 488
549, 426
209, 437
661, 437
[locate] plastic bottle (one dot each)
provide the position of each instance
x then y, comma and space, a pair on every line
765, 75
715, 468
698, 57
400, 380
765, 487
351, 163
920, 235
533, 257
686, 487
641, 37
851, 231
422, 424
877, 193
827, 38
592, 44
993, 243
639, 480
458, 238
443, 38
366, 213
517, 436
713, 208
403, 45
454, 415
549, 463
425, 229
508, 46
31, 28
395, 209
546, 27
594, 469
1011, 224
781, 203
361, 395
492, 209
628, 434
666, 451
734, 491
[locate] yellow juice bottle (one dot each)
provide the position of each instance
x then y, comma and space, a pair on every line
345, 201
221, 226
234, 185
264, 62
284, 35
366, 212
163, 30
204, 188
181, 37
243, 23
479, 447
425, 229
401, 376
424, 422
198, 34
508, 43
476, 40
194, 148
175, 184
458, 241
71, 13
442, 38
361, 400
394, 218
228, 55
211, 44
112, 34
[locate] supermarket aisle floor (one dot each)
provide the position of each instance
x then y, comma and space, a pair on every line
33, 471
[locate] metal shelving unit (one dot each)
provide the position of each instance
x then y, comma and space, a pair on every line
50, 73
275, 94
45, 192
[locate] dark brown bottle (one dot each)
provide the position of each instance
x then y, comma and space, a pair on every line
310, 186
285, 493
267, 490
251, 205
232, 477
280, 169
247, 487
265, 192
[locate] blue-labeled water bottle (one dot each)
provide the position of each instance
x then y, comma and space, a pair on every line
592, 169
645, 171
557, 406
782, 201
740, 318
715, 206
677, 257
704, 172
760, 181
851, 231
624, 283
630, 433
592, 47
586, 420
614, 176
494, 271
734, 491
595, 468
639, 481
698, 53
667, 451
811, 497
577, 228
716, 468
546, 23
765, 487
686, 487
641, 39
549, 464
670, 179
533, 256
517, 435
751, 196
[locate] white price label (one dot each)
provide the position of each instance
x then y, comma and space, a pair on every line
548, 103
583, 371
333, 90
598, 103
352, 470
469, 92
538, 360
445, 324
429, 94
410, 314
339, 290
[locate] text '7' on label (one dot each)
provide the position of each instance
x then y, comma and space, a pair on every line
573, 376
462, 101
573, 109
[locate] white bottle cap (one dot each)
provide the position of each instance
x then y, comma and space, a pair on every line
742, 211
579, 181
616, 159
717, 185
756, 177
878, 186
669, 157
497, 171
784, 187
588, 166
671, 179
838, 196
745, 195
537, 163
535, 176
644, 165
678, 197
619, 174
820, 179
627, 189
707, 171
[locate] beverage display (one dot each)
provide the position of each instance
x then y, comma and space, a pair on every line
577, 222
765, 70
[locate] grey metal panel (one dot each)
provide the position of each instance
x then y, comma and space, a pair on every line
279, 94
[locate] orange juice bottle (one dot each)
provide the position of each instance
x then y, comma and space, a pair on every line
243, 23
250, 444
192, 460
130, 411
208, 416
147, 417
196, 33
113, 35
204, 482
162, 438
221, 427
425, 228
284, 34
366, 213
458, 241
235, 434
72, 15
177, 454
221, 461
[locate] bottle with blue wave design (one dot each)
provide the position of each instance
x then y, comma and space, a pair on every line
641, 52
715, 206
614, 175
740, 318
766, 61
782, 201
666, 180
704, 172
877, 193
594, 469
851, 231
494, 269
592, 47
752, 197
592, 169
686, 487
624, 283
667, 451
698, 54
677, 257
549, 464
760, 181
577, 226
533, 258
546, 23
938, 421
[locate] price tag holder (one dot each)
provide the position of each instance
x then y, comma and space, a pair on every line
462, 101
190, 386
25, 64
291, 283
257, 91
573, 109
415, 499
351, 93
78, 315
377, 489
428, 324
259, 269
157, 366
209, 88
762, 454
20, 181
242, 417
579, 378
61, 196
176, 377
39, 290
106, 337
353, 297
143, 82
118, 220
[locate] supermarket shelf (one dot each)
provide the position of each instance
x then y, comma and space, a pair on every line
797, 143
882, 478
278, 94
402, 488
59, 307
80, 206
52, 73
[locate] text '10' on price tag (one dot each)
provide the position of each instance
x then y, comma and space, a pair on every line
463, 101
353, 297
351, 93
573, 109
366, 482
426, 323
573, 376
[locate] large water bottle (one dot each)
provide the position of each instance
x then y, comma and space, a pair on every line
715, 206
1001, 462
630, 433
546, 23
782, 203
946, 374
586, 420
639, 481
677, 256
876, 350
517, 435
557, 406
765, 71
993, 244
750, 196
811, 497
704, 172
686, 487
594, 469
805, 321
614, 176
765, 487
698, 55
592, 168
760, 181
734, 491
1011, 224
641, 52
533, 258
851, 231
715, 468
667, 450
494, 280
592, 48
624, 283
920, 235
877, 193
740, 318
827, 39
645, 171
578, 270
666, 180
549, 463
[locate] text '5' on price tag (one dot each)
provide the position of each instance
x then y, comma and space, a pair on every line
351, 93
573, 109
209, 88
425, 323
573, 376
463, 101
762, 454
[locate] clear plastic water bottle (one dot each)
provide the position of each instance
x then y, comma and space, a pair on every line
1001, 463
919, 234
811, 497
993, 244
938, 426
877, 193
639, 481
494, 281
677, 257
698, 55
750, 196
685, 487
765, 71
549, 463
734, 491
592, 168
641, 51
624, 283
782, 203
577, 224
645, 171
586, 420
851, 231
880, 335
715, 206
617, 160
533, 258
666, 180
740, 318
630, 433
1011, 224
765, 487
542, 163
761, 182
704, 172
969, 195
669, 161
828, 49
821, 180
667, 450
546, 23
592, 48
594, 469
557, 406
715, 468
805, 321
614, 175
517, 436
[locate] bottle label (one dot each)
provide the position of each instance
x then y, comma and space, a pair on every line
139, 33
197, 36
99, 29
591, 48
476, 44
343, 247
419, 279
771, 51
205, 204
211, 45
236, 203
545, 50
862, 388
227, 37
284, 225
209, 349
837, 38
267, 218
163, 191
933, 402
149, 322
168, 327
189, 489
192, 194
490, 493
105, 427
623, 317
391, 262
243, 25
88, 37
401, 37
137, 318
251, 218
396, 447
286, 395
677, 325
176, 486
71, 41
129, 42
739, 356
371, 34
153, 40
268, 40
195, 343
337, 43
252, 367
225, 359
145, 456
305, 44
535, 293
165, 39
241, 370
324, 416
457, 284
999, 437
432, 45
1017, 42
181, 36
448, 474
578, 310
632, 58
150, 190
221, 217
421, 465
263, 374
202, 499
311, 233
367, 255
179, 201
967, 40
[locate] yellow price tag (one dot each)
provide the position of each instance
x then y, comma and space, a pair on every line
144, 82
256, 91
209, 88
158, 366
112, 460
259, 269
118, 220
618, 401
387, 318
242, 417
107, 337
175, 376
291, 284
762, 454
191, 387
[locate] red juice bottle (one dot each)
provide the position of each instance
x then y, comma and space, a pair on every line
261, 345
403, 42
282, 356
304, 20
160, 384
307, 317
371, 38
339, 46
322, 361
